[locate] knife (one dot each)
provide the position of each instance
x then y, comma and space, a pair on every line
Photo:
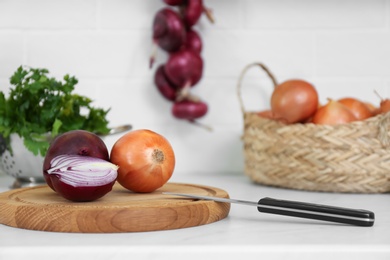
357, 217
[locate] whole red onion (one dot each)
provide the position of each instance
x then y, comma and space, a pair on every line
184, 68
165, 87
189, 110
193, 41
192, 12
168, 30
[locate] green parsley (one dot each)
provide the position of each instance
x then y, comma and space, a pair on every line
39, 107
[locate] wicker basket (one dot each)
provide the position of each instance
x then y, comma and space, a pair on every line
352, 157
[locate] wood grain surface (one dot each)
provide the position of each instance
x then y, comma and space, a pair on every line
40, 208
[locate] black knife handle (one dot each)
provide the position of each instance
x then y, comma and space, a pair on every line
356, 217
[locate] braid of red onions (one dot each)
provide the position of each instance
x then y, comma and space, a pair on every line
173, 32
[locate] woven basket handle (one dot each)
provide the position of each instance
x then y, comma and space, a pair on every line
240, 79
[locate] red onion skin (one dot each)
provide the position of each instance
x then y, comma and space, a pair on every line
174, 2
165, 87
184, 68
168, 30
189, 110
78, 142
80, 194
192, 12
193, 42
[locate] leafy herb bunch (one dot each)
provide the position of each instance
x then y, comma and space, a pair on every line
39, 108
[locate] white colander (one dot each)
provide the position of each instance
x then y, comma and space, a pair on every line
22, 164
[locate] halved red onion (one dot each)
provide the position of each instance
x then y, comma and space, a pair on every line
83, 171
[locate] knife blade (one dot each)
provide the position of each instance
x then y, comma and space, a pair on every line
357, 217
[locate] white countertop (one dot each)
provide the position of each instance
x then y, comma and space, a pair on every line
244, 234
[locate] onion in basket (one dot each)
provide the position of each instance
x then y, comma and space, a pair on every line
333, 113
294, 101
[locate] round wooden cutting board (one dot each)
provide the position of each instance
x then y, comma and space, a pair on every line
40, 208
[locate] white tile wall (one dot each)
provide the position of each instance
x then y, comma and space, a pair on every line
340, 46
